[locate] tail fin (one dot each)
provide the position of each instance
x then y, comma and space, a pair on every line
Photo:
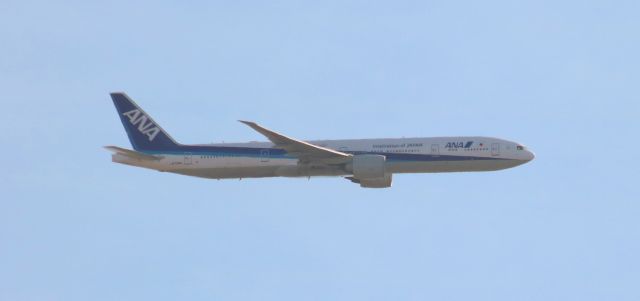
144, 133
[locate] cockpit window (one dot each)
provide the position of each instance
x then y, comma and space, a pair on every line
520, 147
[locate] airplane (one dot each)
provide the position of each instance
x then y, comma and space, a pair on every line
370, 163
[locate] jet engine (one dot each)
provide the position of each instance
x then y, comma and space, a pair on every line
370, 172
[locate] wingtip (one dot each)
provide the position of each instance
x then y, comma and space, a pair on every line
247, 122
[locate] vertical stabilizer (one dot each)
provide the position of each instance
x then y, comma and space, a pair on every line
144, 133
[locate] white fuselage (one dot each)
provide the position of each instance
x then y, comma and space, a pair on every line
404, 155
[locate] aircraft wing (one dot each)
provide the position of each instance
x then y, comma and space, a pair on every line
304, 151
132, 154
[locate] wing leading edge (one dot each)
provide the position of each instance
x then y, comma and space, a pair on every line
304, 151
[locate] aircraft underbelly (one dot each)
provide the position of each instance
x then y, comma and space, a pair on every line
260, 172
450, 166
229, 173
304, 171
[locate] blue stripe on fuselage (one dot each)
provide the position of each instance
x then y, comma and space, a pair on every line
276, 153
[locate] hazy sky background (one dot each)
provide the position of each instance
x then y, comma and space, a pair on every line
561, 77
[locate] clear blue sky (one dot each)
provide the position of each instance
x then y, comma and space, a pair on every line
559, 76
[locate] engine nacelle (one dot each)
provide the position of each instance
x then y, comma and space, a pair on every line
383, 182
369, 171
368, 166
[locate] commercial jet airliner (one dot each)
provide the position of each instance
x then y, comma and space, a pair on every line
367, 162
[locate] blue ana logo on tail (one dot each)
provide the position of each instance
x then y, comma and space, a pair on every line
145, 125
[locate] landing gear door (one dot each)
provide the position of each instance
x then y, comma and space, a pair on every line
495, 149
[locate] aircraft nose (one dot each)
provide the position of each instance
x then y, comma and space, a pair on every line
529, 156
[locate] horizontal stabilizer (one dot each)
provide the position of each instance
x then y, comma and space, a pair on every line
132, 154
